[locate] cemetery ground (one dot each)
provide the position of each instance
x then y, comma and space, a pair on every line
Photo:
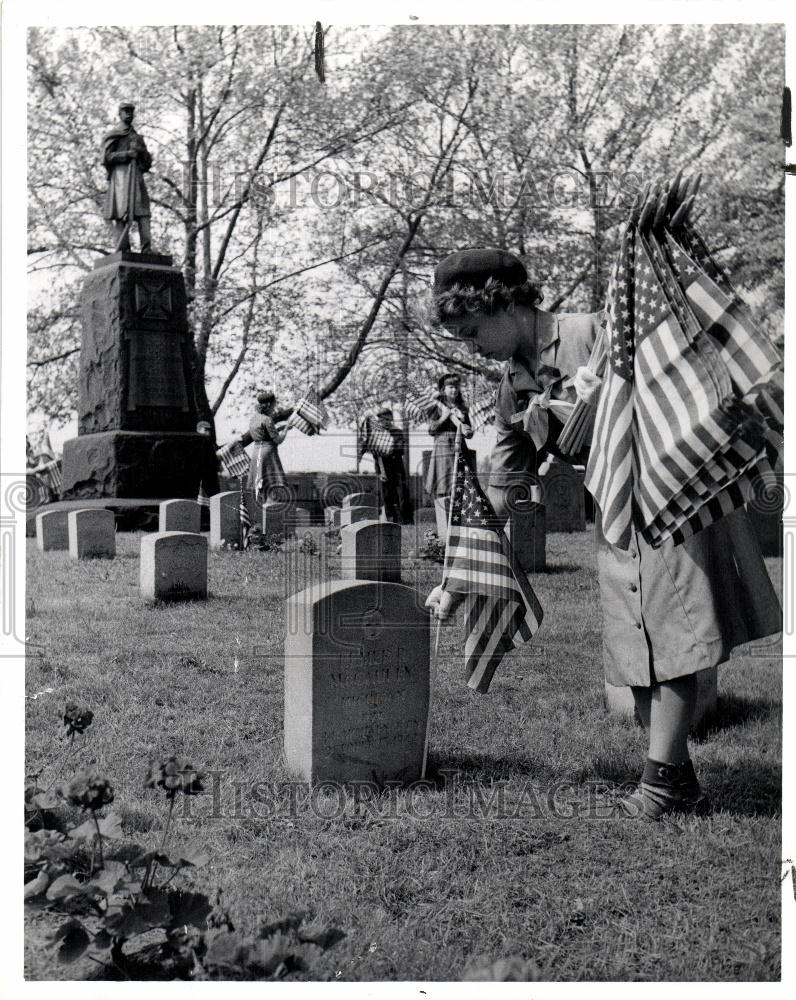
512, 850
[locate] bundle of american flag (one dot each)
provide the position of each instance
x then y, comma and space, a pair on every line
234, 460
378, 440
501, 610
50, 473
689, 398
421, 405
483, 412
309, 415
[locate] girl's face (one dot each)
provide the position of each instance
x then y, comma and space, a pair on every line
496, 337
451, 391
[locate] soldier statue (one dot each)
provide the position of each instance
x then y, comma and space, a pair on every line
126, 158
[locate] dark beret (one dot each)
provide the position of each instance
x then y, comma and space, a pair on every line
476, 267
126, 104
266, 397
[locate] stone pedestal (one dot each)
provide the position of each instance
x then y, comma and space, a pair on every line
136, 412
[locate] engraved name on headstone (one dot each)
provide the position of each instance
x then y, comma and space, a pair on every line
356, 682
52, 530
92, 533
173, 566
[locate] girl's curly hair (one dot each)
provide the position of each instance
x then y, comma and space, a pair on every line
459, 300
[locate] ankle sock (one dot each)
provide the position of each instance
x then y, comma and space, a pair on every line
674, 776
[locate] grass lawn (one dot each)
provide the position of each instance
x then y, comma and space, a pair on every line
510, 851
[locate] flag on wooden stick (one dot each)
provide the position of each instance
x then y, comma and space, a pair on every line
245, 523
310, 415
234, 460
501, 610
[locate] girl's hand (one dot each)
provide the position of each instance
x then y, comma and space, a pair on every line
586, 384
442, 604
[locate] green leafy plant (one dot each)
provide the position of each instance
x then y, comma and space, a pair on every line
307, 545
116, 892
431, 547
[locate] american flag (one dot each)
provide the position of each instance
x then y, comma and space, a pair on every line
51, 475
609, 474
310, 415
501, 610
203, 499
421, 406
234, 460
671, 432
378, 440
483, 413
245, 523
749, 356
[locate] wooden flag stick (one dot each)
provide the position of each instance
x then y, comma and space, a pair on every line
432, 672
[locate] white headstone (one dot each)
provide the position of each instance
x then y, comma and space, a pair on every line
356, 682
225, 530
179, 515
52, 530
173, 566
371, 551
92, 533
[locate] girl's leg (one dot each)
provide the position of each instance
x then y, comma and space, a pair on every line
643, 699
668, 783
672, 711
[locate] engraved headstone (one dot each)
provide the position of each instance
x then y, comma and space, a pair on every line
356, 682
179, 515
371, 551
564, 495
225, 530
173, 566
527, 533
620, 702
92, 533
350, 515
52, 530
